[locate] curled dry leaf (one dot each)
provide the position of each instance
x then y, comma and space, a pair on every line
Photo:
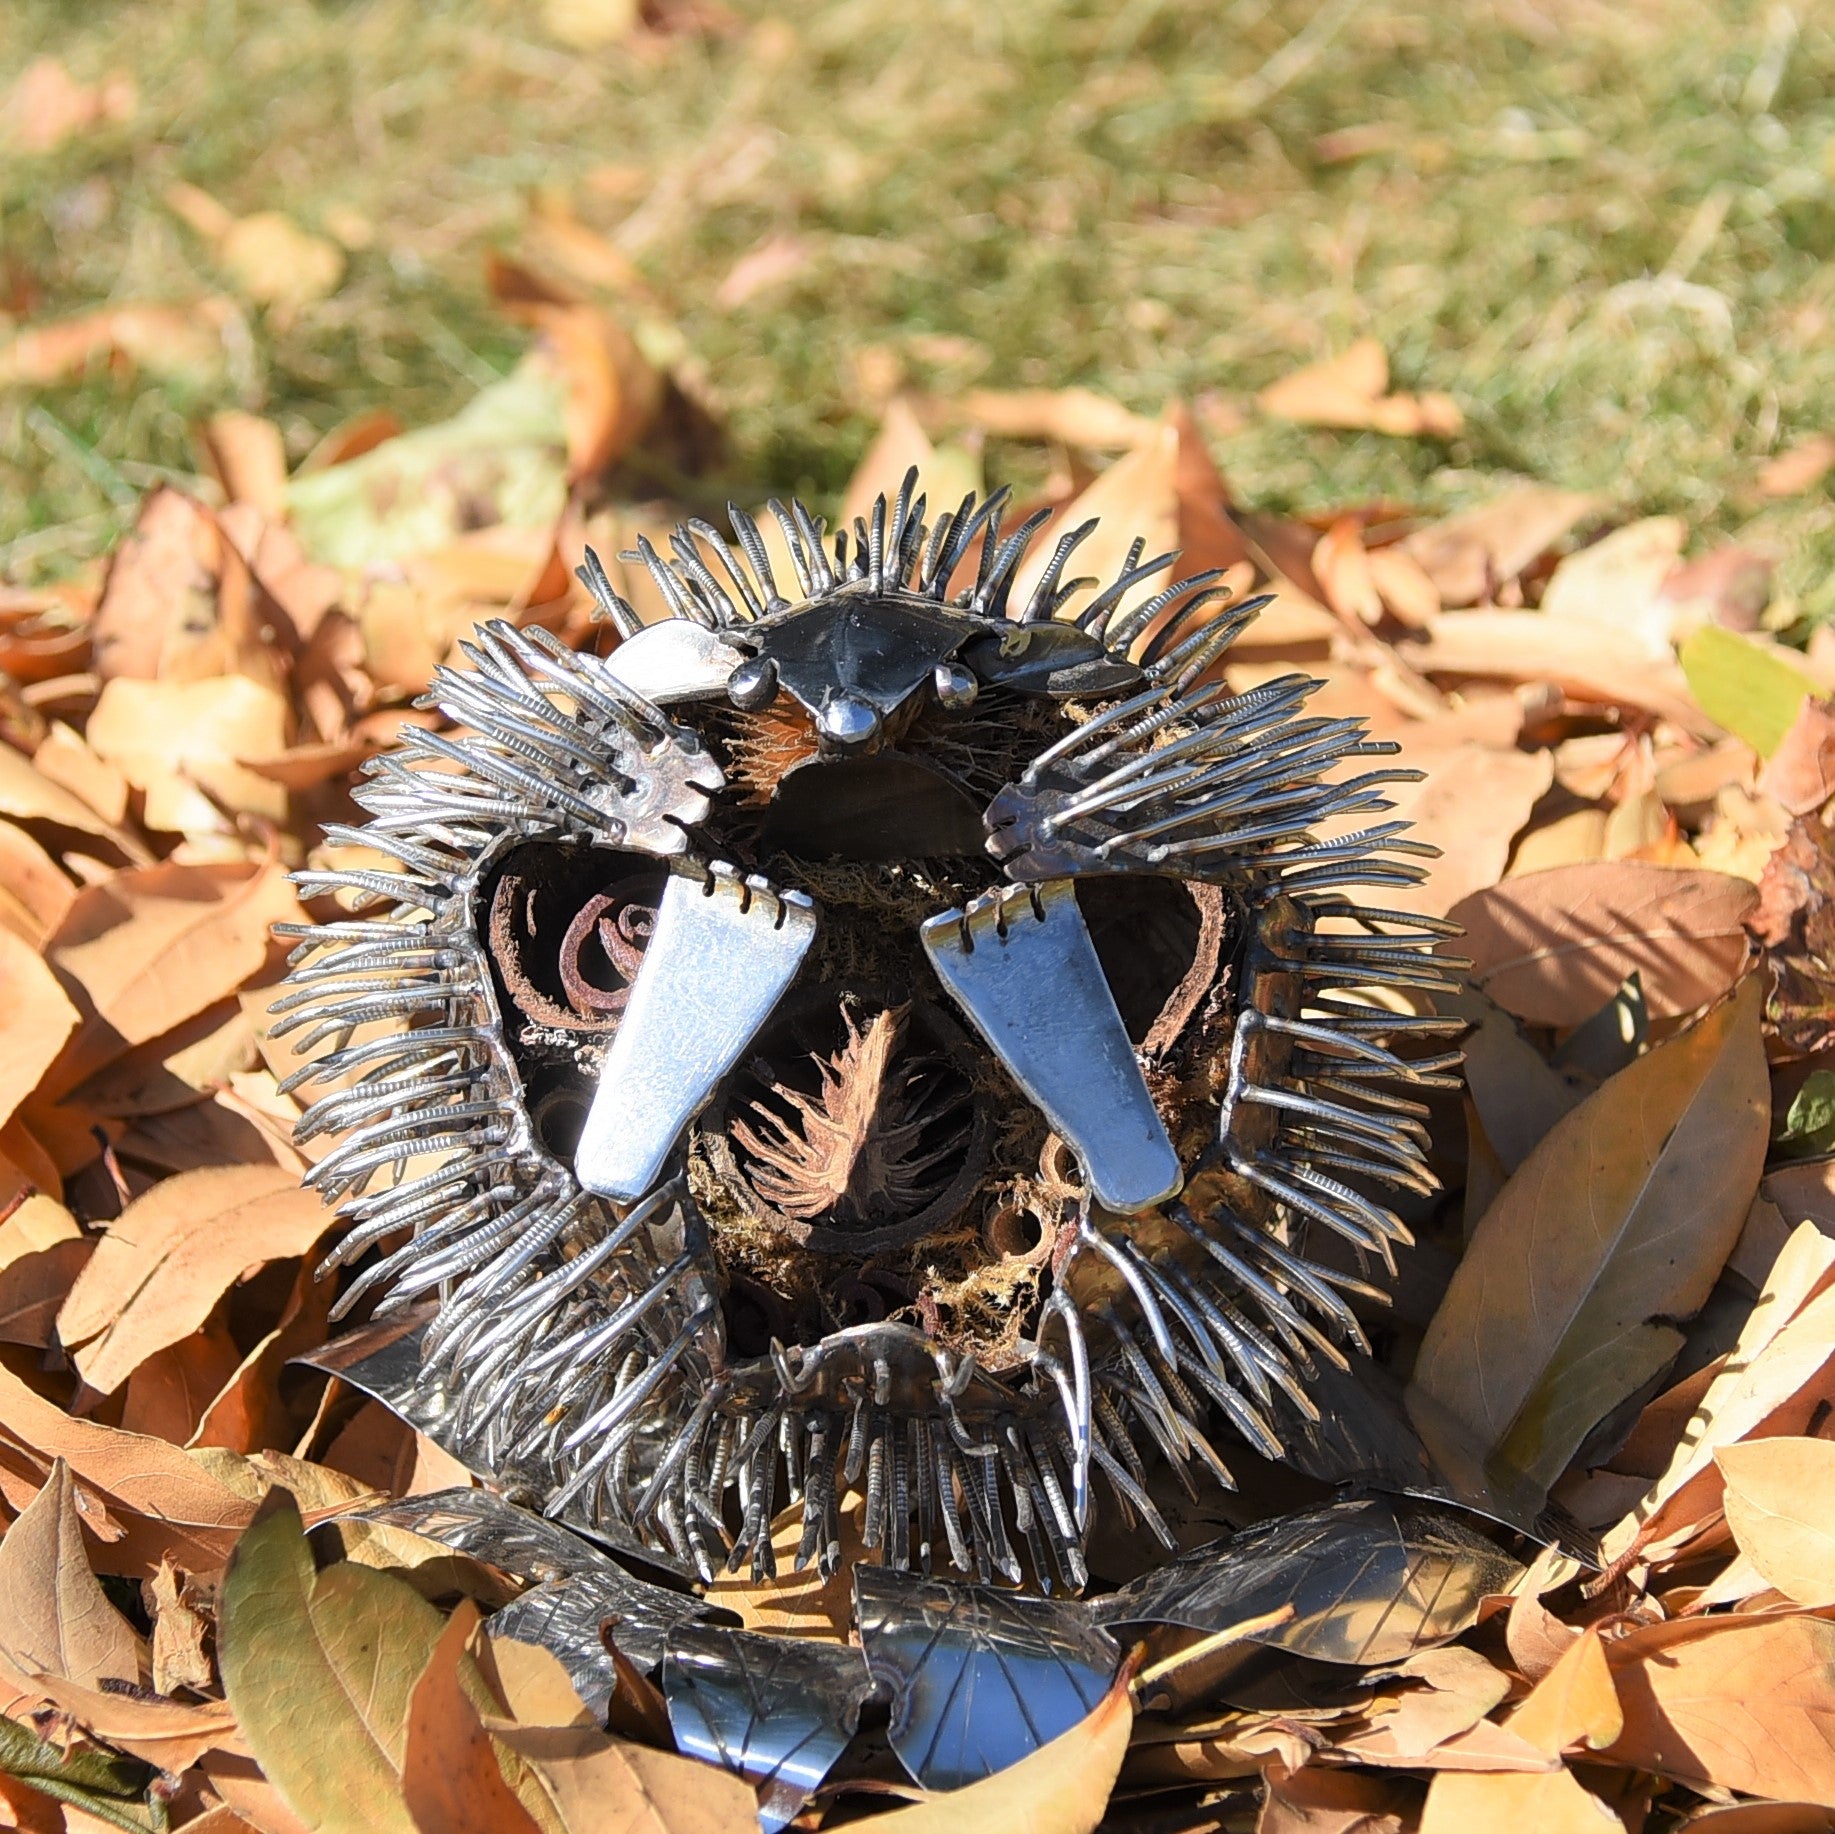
1553, 947
1062, 1788
1351, 390
54, 1617
170, 1255
1614, 1227
451, 1777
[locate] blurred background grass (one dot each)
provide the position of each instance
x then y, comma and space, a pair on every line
1606, 226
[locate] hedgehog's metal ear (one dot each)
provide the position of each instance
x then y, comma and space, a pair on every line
1021, 964
721, 957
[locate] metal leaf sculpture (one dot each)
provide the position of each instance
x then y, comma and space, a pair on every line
874, 1028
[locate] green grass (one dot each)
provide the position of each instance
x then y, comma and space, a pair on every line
1606, 226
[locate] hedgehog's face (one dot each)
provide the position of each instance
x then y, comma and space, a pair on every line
894, 1040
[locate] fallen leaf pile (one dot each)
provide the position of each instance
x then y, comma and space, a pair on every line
1621, 1317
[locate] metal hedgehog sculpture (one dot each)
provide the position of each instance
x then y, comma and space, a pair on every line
871, 1030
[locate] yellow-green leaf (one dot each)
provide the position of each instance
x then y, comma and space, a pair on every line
1749, 689
320, 1668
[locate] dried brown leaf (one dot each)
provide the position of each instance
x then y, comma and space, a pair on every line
158, 613
1351, 390
66, 759
1616, 583
1137, 497
170, 1255
47, 106
1588, 662
168, 1503
154, 946
1406, 587
1554, 946
1343, 571
179, 1634
37, 1018
772, 265
1062, 1788
183, 742
1779, 1375
1070, 416
800, 1604
1798, 468
1553, 1803
1519, 1095
1469, 555
1780, 1504
171, 1734
1800, 774
1743, 1704
28, 795
270, 259
600, 1785
35, 892
1319, 1801
450, 1775
1473, 802
249, 458
1614, 1228
54, 1617
1574, 1706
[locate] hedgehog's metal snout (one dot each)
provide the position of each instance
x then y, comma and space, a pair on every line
722, 955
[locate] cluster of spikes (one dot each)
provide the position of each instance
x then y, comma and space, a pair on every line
894, 550
577, 1348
